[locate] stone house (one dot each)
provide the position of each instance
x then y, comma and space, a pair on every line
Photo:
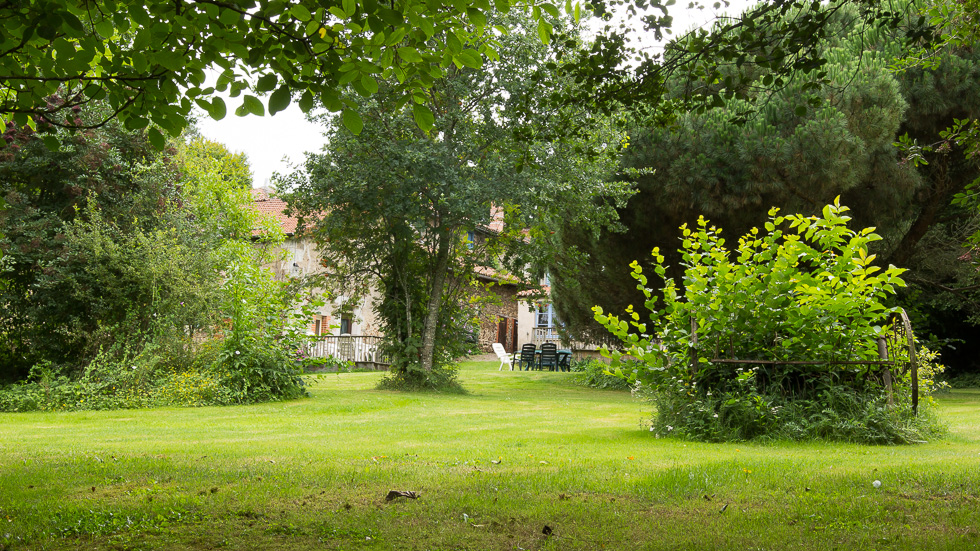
500, 311
301, 259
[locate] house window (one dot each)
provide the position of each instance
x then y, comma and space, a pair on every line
321, 325
346, 324
470, 240
544, 317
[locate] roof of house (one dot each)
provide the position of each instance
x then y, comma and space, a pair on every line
493, 274
540, 291
266, 203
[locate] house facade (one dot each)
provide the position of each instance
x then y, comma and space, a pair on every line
301, 259
506, 314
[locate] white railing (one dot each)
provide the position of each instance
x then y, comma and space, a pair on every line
541, 335
354, 348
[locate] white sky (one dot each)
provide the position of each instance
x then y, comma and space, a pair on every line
273, 143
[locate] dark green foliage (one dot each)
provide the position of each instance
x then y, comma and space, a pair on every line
146, 60
731, 168
118, 280
94, 246
837, 412
967, 380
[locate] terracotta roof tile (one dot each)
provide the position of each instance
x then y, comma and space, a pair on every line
537, 292
496, 224
266, 203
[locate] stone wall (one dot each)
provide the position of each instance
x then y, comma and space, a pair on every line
499, 304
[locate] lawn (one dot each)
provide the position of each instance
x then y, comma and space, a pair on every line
525, 461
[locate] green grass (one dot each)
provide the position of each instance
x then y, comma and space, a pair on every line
312, 474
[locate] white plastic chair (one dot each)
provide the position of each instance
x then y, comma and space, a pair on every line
505, 358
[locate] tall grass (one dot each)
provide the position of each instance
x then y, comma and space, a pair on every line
524, 453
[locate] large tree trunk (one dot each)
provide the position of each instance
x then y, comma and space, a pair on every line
435, 298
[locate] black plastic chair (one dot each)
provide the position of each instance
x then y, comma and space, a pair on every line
549, 356
526, 360
564, 360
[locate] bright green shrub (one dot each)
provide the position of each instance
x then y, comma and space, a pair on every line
805, 289
595, 373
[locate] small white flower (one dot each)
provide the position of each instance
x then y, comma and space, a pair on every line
716, 416
133, 366
669, 428
237, 352
876, 484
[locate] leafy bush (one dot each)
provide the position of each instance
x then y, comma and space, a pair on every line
808, 293
966, 380
327, 363
442, 378
118, 379
595, 373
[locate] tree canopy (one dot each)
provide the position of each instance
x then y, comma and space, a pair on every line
733, 169
403, 205
146, 60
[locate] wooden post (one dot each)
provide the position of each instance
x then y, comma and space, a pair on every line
913, 361
887, 375
694, 346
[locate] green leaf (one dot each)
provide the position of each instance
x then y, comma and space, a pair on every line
253, 105
470, 58
331, 101
350, 6
423, 117
105, 28
306, 101
454, 43
156, 138
279, 100
229, 17
477, 18
410, 54
300, 12
391, 17
544, 31
551, 10
218, 109
51, 142
352, 121
801, 111
266, 82
369, 84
